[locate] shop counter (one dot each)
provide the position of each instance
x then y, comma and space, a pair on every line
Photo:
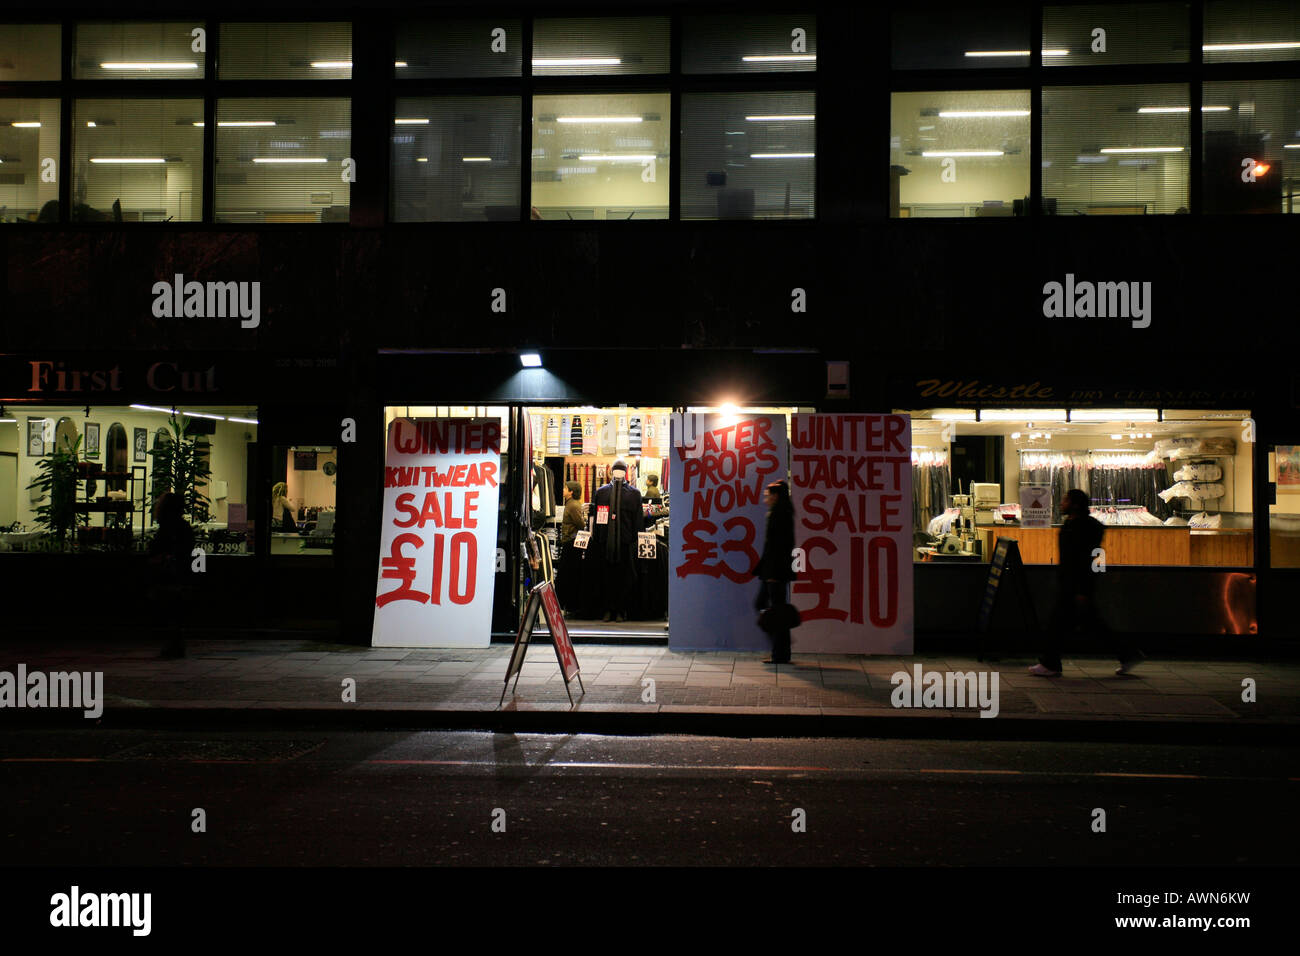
1180, 546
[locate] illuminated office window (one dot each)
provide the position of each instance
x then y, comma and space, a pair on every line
748, 155
959, 154
1114, 33
137, 51
601, 156
29, 153
973, 36
137, 160
456, 158
282, 160
600, 47
747, 44
458, 48
1251, 32
286, 51
1252, 146
1115, 150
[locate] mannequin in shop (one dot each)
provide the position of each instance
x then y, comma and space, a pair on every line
617, 519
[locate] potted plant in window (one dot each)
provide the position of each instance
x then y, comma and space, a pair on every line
180, 465
57, 478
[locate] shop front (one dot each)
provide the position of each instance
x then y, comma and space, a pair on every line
647, 515
1172, 473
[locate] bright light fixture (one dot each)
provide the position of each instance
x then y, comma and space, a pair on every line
241, 123
530, 360
577, 61
780, 58
419, 121
1022, 414
90, 124
781, 155
618, 158
332, 65
599, 119
1142, 149
244, 421
972, 114
219, 418
123, 160
422, 159
997, 53
954, 416
476, 159
1114, 415
26, 125
962, 152
1056, 53
149, 66
777, 118
290, 159
1236, 47
396, 63
1015, 436
1291, 146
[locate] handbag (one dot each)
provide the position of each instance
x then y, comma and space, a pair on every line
783, 617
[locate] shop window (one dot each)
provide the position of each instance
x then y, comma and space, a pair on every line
1173, 486
1284, 513
449, 49
601, 156
124, 459
745, 44
1115, 150
959, 153
749, 155
29, 51
283, 160
286, 51
1103, 34
29, 150
600, 47
1251, 32
961, 37
1252, 146
304, 497
456, 159
138, 51
137, 160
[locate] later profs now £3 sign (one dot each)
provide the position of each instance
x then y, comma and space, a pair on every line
439, 533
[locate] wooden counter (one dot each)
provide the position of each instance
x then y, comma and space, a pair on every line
1232, 548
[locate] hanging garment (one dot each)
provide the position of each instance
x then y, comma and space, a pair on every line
621, 436
608, 435
649, 437
566, 429
634, 435
552, 435
575, 436
590, 438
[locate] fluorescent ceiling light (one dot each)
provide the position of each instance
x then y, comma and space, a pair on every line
1056, 53
781, 155
997, 53
243, 123
616, 158
1092, 415
396, 63
154, 408
149, 66
1143, 149
599, 119
90, 124
780, 58
1022, 415
530, 360
219, 418
962, 152
776, 118
476, 159
1182, 109
26, 125
422, 159
954, 417
1215, 109
1234, 47
127, 159
1291, 146
332, 65
244, 421
971, 114
290, 159
412, 122
577, 61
